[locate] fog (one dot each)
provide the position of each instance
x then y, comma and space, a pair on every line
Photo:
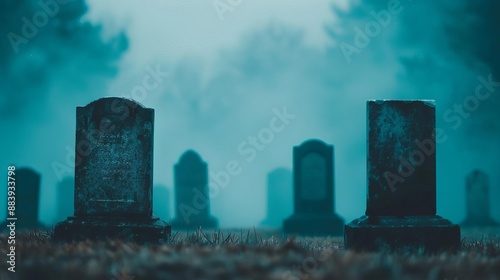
222, 73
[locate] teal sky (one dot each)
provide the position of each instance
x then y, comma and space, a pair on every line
222, 76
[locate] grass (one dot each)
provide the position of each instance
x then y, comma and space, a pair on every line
243, 254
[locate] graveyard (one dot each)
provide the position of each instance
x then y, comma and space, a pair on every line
232, 139
246, 255
113, 234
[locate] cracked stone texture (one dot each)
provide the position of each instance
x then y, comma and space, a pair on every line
401, 215
114, 159
113, 175
401, 158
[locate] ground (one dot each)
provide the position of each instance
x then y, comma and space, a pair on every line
244, 254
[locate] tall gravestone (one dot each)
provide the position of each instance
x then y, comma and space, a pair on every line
161, 202
477, 198
279, 197
191, 193
27, 198
313, 181
113, 174
401, 166
65, 198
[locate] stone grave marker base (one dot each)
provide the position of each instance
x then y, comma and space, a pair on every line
412, 233
140, 230
314, 224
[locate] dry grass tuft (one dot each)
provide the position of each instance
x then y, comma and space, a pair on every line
243, 254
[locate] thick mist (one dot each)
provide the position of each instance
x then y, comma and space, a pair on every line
51, 60
442, 50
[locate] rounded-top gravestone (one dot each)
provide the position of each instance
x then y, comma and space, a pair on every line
313, 183
113, 174
191, 193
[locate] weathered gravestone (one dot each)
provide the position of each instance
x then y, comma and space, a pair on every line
401, 166
113, 174
279, 197
161, 202
313, 180
65, 198
477, 198
27, 197
191, 193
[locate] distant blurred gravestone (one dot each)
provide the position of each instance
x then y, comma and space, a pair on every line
401, 201
313, 191
192, 201
279, 197
477, 198
113, 174
27, 200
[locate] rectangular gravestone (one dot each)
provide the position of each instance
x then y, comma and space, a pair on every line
27, 198
477, 198
401, 167
400, 136
113, 174
191, 193
313, 174
115, 178
279, 197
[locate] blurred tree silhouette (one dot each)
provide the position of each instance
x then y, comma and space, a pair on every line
46, 45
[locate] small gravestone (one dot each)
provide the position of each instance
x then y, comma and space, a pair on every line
401, 166
191, 193
161, 202
477, 198
113, 174
313, 182
27, 199
65, 198
279, 197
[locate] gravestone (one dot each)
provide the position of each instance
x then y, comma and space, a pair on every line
113, 175
279, 197
191, 193
477, 198
161, 202
401, 167
313, 182
27, 199
65, 198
